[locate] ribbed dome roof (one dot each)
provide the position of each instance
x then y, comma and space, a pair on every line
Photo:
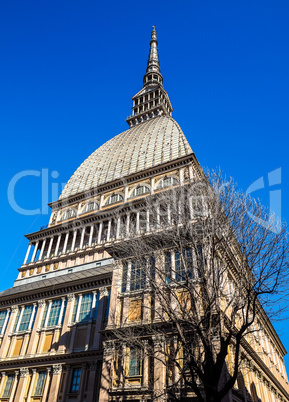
141, 147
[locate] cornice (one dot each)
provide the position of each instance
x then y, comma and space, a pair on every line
56, 290
50, 359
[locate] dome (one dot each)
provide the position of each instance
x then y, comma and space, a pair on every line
141, 147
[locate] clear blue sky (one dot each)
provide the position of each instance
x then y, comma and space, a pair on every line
69, 69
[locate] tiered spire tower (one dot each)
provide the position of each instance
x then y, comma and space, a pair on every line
152, 100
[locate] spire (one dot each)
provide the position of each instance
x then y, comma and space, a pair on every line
153, 65
152, 100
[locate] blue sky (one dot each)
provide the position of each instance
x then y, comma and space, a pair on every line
69, 69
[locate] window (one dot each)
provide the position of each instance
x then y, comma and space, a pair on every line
183, 264
135, 362
54, 313
168, 182
114, 199
8, 386
68, 214
40, 383
137, 275
182, 267
85, 307
91, 206
24, 324
139, 190
3, 315
75, 380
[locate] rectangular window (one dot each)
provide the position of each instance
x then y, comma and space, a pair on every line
54, 313
85, 308
137, 276
26, 318
8, 386
179, 267
40, 383
75, 380
135, 362
134, 311
3, 314
183, 264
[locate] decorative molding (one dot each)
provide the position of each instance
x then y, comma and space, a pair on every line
41, 303
92, 366
57, 369
24, 372
103, 292
14, 308
71, 297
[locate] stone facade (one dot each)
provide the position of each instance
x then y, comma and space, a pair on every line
68, 290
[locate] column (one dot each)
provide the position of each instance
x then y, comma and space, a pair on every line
82, 238
27, 253
103, 293
99, 233
7, 335
146, 365
159, 366
118, 227
74, 239
42, 249
128, 276
106, 373
57, 245
55, 382
65, 243
33, 338
66, 383
64, 330
82, 382
5, 321
3, 378
49, 247
20, 318
152, 185
90, 397
35, 251
137, 222
108, 230
89, 326
127, 225
11, 398
24, 375
48, 313
169, 215
78, 307
31, 387
148, 220
32, 316
61, 310
90, 235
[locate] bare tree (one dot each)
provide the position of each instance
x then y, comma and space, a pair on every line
209, 266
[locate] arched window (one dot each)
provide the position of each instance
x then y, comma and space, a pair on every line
139, 190
168, 182
91, 206
68, 214
114, 199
